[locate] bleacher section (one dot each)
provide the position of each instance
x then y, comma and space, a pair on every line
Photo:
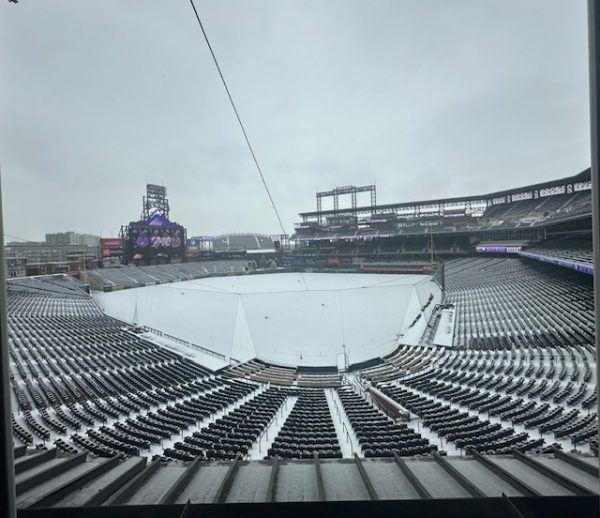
525, 389
509, 303
377, 434
538, 208
446, 224
525, 335
87, 390
397, 235
403, 248
105, 279
577, 249
85, 383
308, 431
404, 361
241, 242
265, 373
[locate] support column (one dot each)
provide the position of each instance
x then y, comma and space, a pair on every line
594, 57
7, 474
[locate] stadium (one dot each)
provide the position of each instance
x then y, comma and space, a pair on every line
438, 352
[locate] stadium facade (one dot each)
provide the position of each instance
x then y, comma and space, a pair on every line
555, 215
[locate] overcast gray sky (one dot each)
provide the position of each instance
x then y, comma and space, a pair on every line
427, 98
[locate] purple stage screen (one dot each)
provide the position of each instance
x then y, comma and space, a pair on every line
156, 237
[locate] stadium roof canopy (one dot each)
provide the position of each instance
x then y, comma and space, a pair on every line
582, 177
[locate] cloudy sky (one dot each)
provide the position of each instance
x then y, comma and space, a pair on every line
427, 98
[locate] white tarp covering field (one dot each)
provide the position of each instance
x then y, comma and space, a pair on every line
283, 318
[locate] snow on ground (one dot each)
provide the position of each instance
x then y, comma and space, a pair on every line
261, 446
282, 318
347, 438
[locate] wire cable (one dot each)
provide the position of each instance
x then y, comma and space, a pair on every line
242, 127
237, 115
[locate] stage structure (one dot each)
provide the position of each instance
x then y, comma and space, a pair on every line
154, 239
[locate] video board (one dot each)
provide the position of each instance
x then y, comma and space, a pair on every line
153, 238
150, 242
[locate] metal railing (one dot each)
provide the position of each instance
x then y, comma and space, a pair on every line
184, 342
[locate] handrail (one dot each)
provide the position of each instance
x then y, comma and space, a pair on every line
184, 342
573, 265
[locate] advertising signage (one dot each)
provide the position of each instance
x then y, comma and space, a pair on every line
111, 247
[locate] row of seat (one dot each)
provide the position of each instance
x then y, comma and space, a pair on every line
308, 430
461, 428
236, 432
376, 433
